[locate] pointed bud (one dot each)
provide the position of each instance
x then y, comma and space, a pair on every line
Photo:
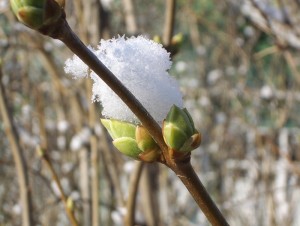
37, 14
123, 135
179, 132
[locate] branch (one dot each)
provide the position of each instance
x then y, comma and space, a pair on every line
130, 19
44, 155
132, 193
19, 159
189, 178
169, 22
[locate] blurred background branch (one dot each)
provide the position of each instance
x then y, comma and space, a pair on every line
240, 82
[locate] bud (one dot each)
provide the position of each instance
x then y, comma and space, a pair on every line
145, 142
177, 39
179, 132
70, 204
157, 39
132, 140
38, 13
176, 43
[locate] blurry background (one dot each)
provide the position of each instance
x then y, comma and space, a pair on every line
238, 68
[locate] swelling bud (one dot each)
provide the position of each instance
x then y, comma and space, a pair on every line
38, 14
132, 140
179, 132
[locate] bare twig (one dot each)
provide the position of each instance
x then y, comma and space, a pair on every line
44, 155
130, 19
169, 22
83, 155
132, 193
19, 159
189, 178
95, 181
149, 194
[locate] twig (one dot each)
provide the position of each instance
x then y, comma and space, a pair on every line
293, 65
149, 194
94, 160
130, 19
189, 178
132, 193
19, 159
44, 155
169, 21
95, 181
84, 183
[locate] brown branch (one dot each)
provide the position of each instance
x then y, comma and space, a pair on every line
44, 155
95, 181
130, 19
132, 193
189, 178
149, 194
169, 22
19, 159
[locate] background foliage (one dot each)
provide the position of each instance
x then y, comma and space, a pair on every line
240, 81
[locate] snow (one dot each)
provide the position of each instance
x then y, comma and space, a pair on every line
142, 66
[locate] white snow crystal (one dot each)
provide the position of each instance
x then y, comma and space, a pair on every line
142, 66
76, 67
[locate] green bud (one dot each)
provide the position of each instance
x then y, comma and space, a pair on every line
177, 39
127, 146
123, 135
118, 129
132, 140
37, 14
179, 131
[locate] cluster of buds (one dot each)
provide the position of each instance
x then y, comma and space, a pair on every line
178, 131
132, 140
38, 14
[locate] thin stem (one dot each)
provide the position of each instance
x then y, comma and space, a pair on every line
130, 19
18, 156
189, 178
132, 193
169, 21
63, 197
